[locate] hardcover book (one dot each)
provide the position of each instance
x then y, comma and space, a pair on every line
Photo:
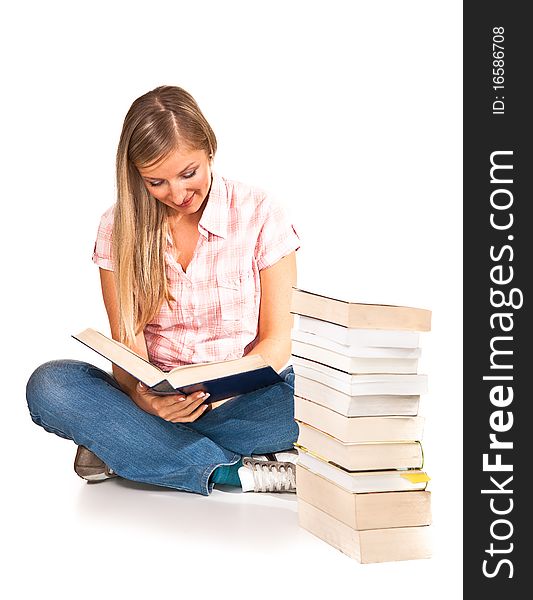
358, 429
360, 384
355, 349
355, 406
355, 359
221, 379
369, 545
375, 510
363, 482
354, 456
365, 316
355, 336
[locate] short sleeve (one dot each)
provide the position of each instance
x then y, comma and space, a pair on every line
277, 237
103, 247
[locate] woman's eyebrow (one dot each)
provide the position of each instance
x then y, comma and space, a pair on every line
182, 171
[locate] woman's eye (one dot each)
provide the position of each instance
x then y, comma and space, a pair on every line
155, 183
189, 175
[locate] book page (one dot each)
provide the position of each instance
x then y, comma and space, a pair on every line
122, 356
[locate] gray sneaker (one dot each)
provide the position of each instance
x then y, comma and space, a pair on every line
88, 466
269, 472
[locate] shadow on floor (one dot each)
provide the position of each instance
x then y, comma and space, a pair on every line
241, 519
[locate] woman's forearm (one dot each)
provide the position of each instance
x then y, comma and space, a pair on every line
127, 382
275, 352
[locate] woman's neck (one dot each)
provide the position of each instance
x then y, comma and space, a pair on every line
178, 220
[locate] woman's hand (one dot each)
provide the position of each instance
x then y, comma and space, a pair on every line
173, 408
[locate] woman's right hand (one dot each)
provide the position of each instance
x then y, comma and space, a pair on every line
174, 408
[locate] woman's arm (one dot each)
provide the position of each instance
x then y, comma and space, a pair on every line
126, 381
275, 319
174, 408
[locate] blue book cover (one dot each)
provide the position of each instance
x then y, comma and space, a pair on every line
225, 387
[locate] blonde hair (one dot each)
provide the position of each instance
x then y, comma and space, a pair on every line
162, 120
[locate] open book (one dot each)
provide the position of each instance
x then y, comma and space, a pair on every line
221, 379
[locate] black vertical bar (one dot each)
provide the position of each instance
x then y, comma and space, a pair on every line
498, 253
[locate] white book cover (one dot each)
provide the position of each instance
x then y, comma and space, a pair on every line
357, 337
360, 385
354, 350
354, 364
355, 406
363, 482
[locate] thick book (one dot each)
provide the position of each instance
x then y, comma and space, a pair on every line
356, 359
363, 482
375, 510
354, 314
220, 379
360, 384
358, 429
357, 456
356, 406
356, 349
369, 545
355, 336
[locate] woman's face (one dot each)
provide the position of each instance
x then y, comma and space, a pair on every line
181, 180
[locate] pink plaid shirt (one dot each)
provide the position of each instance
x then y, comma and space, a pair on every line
216, 313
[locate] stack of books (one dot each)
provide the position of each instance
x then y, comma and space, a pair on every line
359, 477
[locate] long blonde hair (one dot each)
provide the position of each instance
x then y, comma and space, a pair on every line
162, 120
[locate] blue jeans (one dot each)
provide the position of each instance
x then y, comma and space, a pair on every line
83, 403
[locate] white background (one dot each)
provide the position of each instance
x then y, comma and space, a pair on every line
350, 113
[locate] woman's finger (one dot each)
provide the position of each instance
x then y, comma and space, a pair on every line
192, 399
191, 417
182, 411
170, 400
183, 408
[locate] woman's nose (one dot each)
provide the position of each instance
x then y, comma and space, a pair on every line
177, 191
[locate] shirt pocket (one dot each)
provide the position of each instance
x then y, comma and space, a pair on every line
236, 296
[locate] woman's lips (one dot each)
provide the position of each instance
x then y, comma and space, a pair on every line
187, 202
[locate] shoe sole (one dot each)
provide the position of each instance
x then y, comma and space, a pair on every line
96, 477
94, 472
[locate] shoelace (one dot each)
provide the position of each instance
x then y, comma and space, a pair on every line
273, 477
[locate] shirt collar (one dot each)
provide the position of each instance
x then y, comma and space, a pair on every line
215, 216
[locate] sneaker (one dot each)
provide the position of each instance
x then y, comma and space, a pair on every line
88, 466
269, 472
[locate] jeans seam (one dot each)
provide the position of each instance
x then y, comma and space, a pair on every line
38, 420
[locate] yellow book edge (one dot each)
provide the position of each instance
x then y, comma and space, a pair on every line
412, 475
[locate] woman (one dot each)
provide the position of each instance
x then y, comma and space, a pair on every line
194, 268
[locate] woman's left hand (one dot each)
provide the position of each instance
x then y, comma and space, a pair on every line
174, 408
185, 409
